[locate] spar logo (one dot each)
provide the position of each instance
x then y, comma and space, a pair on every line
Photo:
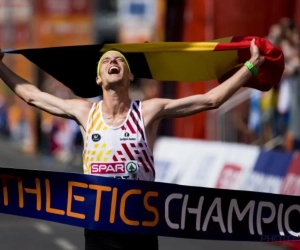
108, 168
131, 167
114, 168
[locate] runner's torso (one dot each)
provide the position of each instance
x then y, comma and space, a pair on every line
118, 152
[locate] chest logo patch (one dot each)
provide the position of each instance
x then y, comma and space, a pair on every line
131, 167
96, 137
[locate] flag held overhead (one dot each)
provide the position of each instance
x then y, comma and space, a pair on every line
76, 66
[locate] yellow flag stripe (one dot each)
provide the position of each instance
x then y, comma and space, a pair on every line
161, 46
200, 63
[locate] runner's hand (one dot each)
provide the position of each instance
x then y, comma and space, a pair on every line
256, 58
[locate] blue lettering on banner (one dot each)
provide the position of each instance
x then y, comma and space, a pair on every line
268, 172
140, 207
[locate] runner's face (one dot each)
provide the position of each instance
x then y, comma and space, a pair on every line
113, 69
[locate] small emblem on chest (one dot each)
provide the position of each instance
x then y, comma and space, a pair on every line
96, 137
128, 137
131, 167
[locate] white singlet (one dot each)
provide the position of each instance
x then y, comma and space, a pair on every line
118, 152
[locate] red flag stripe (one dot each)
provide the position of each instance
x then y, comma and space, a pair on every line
270, 71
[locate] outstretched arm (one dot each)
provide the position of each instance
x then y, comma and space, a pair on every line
168, 108
44, 101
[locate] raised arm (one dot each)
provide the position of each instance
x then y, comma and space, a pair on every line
169, 108
70, 109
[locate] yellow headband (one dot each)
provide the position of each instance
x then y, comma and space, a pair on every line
99, 63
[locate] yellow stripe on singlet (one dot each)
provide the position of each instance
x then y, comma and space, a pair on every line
100, 125
99, 155
94, 123
93, 112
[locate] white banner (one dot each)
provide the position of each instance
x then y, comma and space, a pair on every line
188, 162
203, 163
238, 163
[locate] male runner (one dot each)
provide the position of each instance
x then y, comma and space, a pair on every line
118, 132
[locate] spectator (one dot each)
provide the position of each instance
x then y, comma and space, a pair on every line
4, 129
276, 113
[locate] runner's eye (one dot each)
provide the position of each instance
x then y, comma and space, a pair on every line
120, 59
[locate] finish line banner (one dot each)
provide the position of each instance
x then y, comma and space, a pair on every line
139, 207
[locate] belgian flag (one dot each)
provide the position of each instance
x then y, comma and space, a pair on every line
76, 66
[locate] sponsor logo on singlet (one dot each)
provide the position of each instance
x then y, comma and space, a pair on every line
120, 170
108, 168
96, 137
128, 137
131, 167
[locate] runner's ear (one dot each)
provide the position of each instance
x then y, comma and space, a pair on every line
98, 80
131, 77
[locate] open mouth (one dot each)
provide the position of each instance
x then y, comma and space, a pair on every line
113, 70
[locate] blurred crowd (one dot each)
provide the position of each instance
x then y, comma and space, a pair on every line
60, 138
275, 115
